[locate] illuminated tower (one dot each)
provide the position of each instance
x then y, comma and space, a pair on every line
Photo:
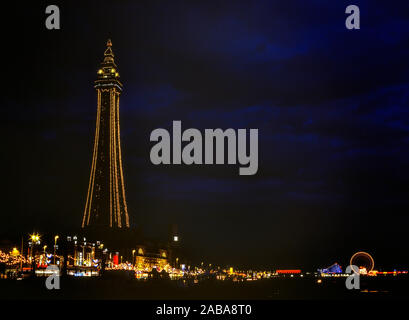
106, 203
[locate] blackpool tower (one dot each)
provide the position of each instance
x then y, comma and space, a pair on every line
105, 205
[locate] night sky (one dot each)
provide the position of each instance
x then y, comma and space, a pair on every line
331, 106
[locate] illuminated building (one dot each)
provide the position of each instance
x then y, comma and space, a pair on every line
147, 260
334, 268
106, 202
288, 271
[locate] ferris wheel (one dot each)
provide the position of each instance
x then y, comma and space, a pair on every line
363, 261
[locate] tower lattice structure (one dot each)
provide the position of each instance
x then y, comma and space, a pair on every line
106, 202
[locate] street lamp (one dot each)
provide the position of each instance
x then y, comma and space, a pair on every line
55, 246
45, 255
133, 255
35, 239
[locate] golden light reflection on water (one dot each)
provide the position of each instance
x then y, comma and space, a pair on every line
374, 291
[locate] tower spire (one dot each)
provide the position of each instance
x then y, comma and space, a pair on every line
108, 54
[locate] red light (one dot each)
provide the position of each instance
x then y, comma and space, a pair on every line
289, 271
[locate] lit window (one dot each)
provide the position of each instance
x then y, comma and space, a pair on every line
175, 238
